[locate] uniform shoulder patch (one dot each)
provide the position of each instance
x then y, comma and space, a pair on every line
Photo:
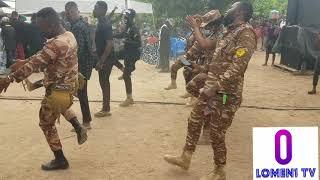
241, 52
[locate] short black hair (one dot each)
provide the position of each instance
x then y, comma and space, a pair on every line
247, 9
71, 4
34, 16
103, 5
50, 14
132, 12
15, 13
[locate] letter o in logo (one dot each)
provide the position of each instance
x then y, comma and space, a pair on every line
288, 136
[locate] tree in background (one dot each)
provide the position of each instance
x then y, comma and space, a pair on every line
262, 8
179, 9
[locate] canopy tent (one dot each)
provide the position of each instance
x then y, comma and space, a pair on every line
3, 4
7, 7
85, 6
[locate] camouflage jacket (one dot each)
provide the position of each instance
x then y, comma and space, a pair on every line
208, 53
197, 54
231, 58
58, 60
194, 51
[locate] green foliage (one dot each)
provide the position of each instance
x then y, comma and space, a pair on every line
262, 8
179, 9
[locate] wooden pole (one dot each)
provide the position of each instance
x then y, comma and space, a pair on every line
126, 4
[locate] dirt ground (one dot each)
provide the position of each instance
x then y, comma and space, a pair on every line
130, 145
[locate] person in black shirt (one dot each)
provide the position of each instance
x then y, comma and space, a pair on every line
81, 31
19, 27
8, 34
130, 53
105, 52
34, 39
164, 49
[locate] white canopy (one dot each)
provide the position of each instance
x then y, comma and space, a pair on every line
85, 6
8, 10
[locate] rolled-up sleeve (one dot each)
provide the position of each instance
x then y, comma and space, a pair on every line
38, 62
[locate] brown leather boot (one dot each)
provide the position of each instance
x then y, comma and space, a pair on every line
217, 174
182, 161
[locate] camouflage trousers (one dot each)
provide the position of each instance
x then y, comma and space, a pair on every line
175, 68
48, 118
220, 118
197, 83
193, 87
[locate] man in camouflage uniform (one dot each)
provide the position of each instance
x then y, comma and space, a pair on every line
193, 53
213, 29
222, 93
58, 60
194, 49
200, 70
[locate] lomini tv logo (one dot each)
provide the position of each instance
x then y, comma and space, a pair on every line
285, 153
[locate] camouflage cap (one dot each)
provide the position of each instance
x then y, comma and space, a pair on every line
210, 17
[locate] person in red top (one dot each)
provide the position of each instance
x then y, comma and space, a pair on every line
152, 40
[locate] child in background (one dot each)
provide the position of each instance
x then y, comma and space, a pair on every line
272, 33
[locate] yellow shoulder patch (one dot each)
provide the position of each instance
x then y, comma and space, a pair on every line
241, 52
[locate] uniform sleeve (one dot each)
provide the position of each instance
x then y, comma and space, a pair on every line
38, 62
241, 56
194, 52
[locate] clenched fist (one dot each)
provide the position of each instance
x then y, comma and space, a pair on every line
4, 84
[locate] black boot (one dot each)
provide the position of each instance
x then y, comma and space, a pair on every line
60, 162
80, 130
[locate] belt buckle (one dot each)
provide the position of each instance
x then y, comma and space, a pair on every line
62, 87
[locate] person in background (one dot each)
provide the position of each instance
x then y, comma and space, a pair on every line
105, 52
152, 39
264, 29
272, 33
112, 18
34, 19
131, 52
164, 48
86, 19
81, 31
258, 31
150, 53
3, 58
65, 23
8, 35
14, 15
19, 27
33, 37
